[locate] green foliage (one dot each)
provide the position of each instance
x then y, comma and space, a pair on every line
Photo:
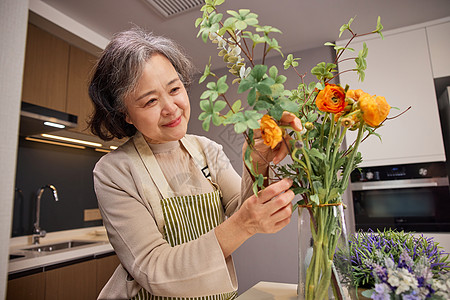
324, 70
318, 166
241, 19
290, 62
346, 27
361, 63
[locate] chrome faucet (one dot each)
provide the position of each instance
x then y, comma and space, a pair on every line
37, 231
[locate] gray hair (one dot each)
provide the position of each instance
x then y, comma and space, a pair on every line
116, 75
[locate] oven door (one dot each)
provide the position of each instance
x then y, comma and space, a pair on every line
407, 204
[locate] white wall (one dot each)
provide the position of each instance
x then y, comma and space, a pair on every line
264, 257
13, 25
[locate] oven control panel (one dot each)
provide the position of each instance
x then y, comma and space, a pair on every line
394, 172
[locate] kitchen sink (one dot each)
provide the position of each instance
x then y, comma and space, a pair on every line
14, 256
60, 246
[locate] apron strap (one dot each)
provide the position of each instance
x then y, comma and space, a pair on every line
192, 146
154, 171
152, 166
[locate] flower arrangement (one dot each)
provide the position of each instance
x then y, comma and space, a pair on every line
321, 165
399, 265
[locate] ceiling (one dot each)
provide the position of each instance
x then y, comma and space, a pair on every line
305, 23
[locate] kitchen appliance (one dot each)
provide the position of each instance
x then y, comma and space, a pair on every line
410, 197
35, 119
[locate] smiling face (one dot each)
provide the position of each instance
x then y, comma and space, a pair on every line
159, 107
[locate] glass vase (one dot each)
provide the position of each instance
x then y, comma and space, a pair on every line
324, 264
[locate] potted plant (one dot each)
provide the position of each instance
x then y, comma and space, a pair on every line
393, 264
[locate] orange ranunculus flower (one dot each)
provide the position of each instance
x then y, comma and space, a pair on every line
331, 99
375, 109
355, 94
271, 133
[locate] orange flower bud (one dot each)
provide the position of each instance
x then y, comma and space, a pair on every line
375, 109
331, 99
271, 133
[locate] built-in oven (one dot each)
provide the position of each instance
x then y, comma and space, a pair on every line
412, 197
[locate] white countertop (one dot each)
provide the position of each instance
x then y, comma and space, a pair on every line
264, 290
35, 259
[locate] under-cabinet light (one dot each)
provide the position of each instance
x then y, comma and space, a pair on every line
54, 143
102, 150
113, 147
54, 124
62, 138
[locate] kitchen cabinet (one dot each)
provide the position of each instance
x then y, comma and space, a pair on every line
78, 101
105, 268
74, 280
399, 69
56, 75
31, 287
46, 68
439, 43
77, 281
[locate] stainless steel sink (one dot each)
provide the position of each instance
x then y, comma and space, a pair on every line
15, 256
60, 246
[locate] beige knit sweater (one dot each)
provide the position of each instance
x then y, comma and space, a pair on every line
129, 202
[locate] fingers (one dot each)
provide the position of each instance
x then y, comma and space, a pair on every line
289, 118
274, 190
282, 150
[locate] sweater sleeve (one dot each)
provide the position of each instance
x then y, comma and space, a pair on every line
193, 269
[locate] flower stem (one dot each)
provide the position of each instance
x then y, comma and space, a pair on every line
349, 167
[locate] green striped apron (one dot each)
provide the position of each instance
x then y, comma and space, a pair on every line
186, 218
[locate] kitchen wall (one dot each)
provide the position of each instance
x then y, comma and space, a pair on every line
264, 257
69, 170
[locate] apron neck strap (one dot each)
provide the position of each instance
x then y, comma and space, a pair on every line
151, 164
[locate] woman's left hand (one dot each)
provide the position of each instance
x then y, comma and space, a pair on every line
265, 154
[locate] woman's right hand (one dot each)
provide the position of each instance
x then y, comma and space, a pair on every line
268, 212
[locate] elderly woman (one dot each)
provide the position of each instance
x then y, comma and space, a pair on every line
173, 206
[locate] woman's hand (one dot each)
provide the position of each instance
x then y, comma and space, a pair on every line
264, 154
268, 212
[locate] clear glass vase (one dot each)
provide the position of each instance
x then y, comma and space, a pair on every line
324, 264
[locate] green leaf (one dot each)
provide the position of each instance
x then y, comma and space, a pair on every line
245, 84
205, 105
361, 63
379, 28
258, 72
262, 105
345, 27
299, 190
276, 112
219, 105
206, 122
236, 106
251, 97
260, 180
255, 188
240, 127
216, 120
203, 116
264, 89
288, 105
315, 199
273, 72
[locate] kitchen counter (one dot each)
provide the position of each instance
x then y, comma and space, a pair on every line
34, 260
264, 290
